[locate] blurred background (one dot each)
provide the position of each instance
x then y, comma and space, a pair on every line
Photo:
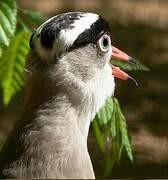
139, 28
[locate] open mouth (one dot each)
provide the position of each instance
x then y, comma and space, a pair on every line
116, 71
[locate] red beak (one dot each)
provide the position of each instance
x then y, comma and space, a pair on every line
116, 71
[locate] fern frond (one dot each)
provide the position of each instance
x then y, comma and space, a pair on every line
8, 12
12, 64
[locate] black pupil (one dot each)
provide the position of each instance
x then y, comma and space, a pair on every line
105, 41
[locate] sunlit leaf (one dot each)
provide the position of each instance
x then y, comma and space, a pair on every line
8, 12
12, 64
106, 111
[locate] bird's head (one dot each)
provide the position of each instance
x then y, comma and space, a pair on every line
74, 49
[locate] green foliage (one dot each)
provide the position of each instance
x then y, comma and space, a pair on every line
11, 65
8, 13
105, 113
110, 124
129, 66
15, 29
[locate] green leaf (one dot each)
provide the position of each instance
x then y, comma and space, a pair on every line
122, 135
8, 12
106, 111
111, 118
98, 135
12, 65
129, 66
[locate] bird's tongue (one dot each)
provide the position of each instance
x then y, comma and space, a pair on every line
116, 71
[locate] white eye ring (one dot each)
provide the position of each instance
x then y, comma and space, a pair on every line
104, 43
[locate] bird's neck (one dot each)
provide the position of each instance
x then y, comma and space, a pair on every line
56, 120
72, 109
56, 109
52, 127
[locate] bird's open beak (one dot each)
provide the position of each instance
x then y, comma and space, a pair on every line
116, 71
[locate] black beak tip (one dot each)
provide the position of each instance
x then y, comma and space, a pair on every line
133, 80
133, 60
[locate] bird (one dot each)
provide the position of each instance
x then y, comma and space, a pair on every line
68, 79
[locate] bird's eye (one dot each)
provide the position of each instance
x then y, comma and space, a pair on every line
104, 43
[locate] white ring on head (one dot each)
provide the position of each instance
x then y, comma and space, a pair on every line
104, 43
